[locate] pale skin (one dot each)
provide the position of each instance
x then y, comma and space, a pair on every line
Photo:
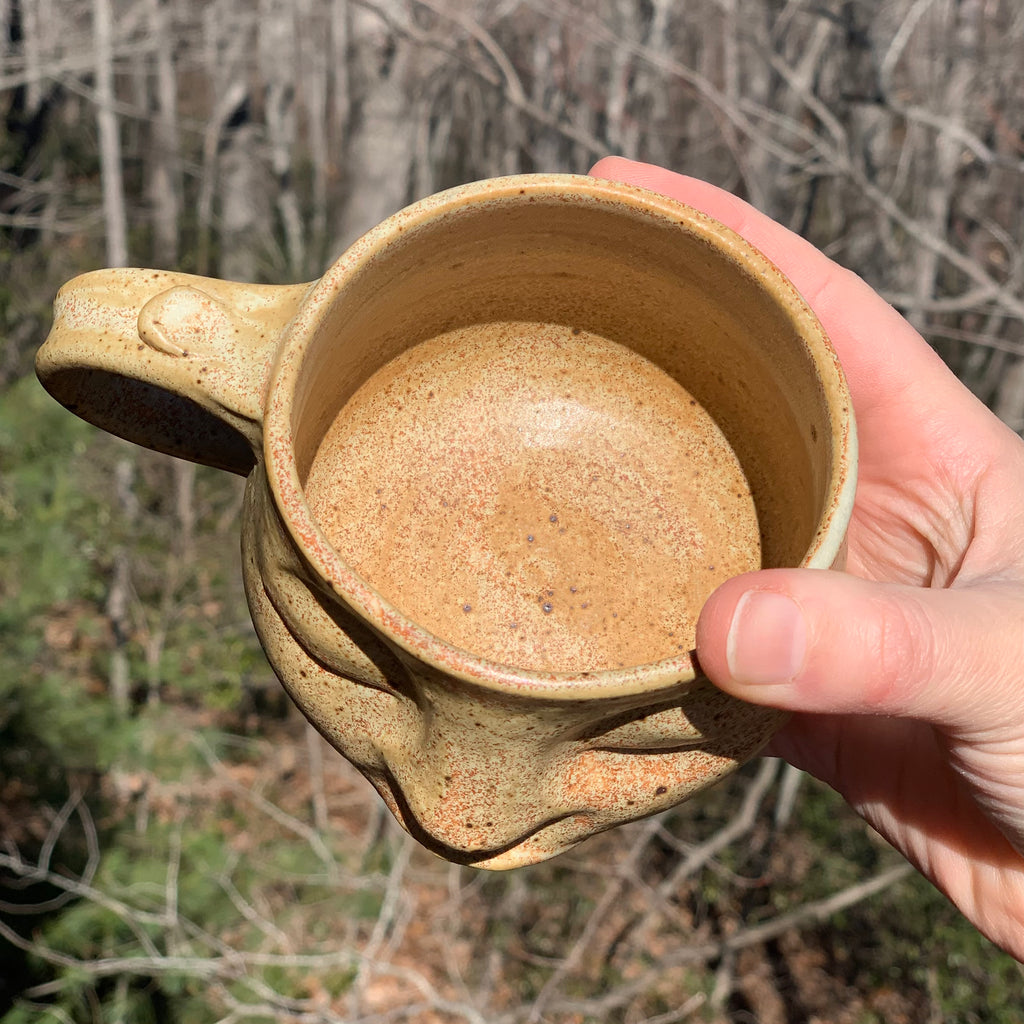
905, 673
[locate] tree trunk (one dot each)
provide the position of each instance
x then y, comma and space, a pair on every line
227, 44
114, 216
244, 226
387, 69
317, 78
165, 187
119, 595
280, 69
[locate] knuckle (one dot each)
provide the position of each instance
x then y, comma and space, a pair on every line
908, 651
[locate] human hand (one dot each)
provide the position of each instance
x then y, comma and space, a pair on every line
906, 674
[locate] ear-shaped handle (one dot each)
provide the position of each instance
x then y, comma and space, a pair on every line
174, 362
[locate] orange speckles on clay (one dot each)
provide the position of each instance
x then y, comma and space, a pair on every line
502, 484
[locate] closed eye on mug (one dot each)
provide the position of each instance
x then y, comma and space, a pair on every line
642, 731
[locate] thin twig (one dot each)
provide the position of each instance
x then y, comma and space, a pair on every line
708, 952
609, 898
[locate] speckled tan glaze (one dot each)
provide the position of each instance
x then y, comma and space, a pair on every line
578, 523
391, 627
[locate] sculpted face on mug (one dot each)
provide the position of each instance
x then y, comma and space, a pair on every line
495, 465
500, 784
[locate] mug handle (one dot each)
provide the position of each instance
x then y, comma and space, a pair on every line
173, 362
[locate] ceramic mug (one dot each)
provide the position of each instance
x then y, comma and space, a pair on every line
497, 458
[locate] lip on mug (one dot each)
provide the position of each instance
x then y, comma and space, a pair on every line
497, 458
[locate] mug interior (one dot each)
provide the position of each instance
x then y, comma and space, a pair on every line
664, 281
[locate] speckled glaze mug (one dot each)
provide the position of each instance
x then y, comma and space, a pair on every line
497, 458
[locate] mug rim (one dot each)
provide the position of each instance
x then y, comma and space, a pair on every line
366, 602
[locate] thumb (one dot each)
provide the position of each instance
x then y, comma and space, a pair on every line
826, 642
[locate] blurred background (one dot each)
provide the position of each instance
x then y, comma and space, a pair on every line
175, 844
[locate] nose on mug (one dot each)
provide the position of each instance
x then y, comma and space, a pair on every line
497, 457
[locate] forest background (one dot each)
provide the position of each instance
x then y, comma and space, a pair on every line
175, 844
